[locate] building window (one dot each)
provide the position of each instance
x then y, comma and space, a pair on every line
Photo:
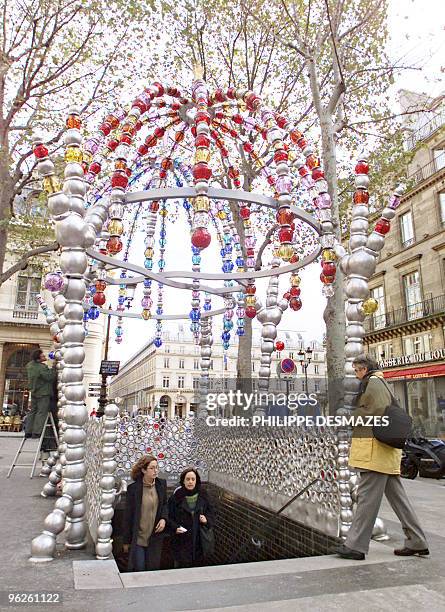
28, 288
291, 386
384, 351
195, 383
439, 158
210, 383
181, 349
166, 362
407, 229
414, 345
196, 364
181, 364
442, 206
166, 382
197, 349
211, 365
181, 381
291, 355
253, 366
413, 295
167, 349
316, 369
316, 387
378, 317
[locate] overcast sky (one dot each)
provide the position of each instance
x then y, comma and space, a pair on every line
417, 39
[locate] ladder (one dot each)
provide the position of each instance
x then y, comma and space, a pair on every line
48, 423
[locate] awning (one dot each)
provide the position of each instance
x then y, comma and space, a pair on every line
411, 373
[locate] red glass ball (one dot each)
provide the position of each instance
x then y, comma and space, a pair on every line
95, 168
202, 117
100, 285
140, 105
202, 141
382, 226
237, 119
281, 121
295, 136
279, 345
114, 245
251, 312
295, 303
154, 206
248, 148
317, 173
328, 268
361, 197
287, 295
362, 168
303, 171
285, 216
250, 252
244, 212
105, 128
119, 180
294, 258
280, 156
201, 238
159, 132
99, 299
326, 280
295, 291
285, 235
112, 144
201, 172
250, 289
40, 151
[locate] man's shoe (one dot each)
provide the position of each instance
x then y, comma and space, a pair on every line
410, 552
28, 435
347, 553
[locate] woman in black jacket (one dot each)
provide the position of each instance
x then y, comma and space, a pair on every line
188, 510
146, 514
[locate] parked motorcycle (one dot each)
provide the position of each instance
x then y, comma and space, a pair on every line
424, 457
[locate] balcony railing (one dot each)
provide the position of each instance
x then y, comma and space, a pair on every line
411, 312
421, 174
25, 314
426, 130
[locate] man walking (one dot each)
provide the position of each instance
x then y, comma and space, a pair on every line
379, 467
41, 381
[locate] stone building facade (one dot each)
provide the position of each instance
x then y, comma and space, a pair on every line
166, 379
407, 334
23, 329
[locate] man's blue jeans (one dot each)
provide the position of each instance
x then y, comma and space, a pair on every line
141, 558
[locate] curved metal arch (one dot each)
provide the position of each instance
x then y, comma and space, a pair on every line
169, 193
132, 315
165, 277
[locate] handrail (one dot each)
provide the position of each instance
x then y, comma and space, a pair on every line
266, 524
428, 169
426, 130
411, 312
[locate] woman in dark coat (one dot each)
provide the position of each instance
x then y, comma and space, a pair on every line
188, 510
146, 514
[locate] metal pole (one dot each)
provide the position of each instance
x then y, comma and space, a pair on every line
103, 387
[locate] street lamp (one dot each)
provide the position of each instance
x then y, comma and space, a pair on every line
103, 387
305, 358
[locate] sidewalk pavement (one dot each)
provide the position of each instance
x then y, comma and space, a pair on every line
382, 582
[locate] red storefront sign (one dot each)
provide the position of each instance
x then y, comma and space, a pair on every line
412, 373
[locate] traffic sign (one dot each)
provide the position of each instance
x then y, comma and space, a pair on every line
287, 365
91, 394
109, 368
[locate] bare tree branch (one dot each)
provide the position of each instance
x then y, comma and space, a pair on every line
22, 263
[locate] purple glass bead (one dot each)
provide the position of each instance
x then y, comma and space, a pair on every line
394, 201
240, 312
195, 294
146, 302
250, 242
250, 262
307, 182
324, 200
284, 184
53, 281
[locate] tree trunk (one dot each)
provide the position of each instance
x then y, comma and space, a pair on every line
6, 188
334, 314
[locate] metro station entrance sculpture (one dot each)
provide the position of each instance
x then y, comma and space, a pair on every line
176, 156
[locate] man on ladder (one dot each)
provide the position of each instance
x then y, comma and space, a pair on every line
41, 383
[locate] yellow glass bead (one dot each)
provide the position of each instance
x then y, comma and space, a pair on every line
295, 280
242, 107
270, 123
259, 163
328, 255
370, 306
278, 144
115, 227
286, 251
247, 223
73, 154
131, 119
240, 269
51, 184
163, 212
250, 300
202, 155
146, 314
122, 292
201, 203
221, 215
87, 157
292, 156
